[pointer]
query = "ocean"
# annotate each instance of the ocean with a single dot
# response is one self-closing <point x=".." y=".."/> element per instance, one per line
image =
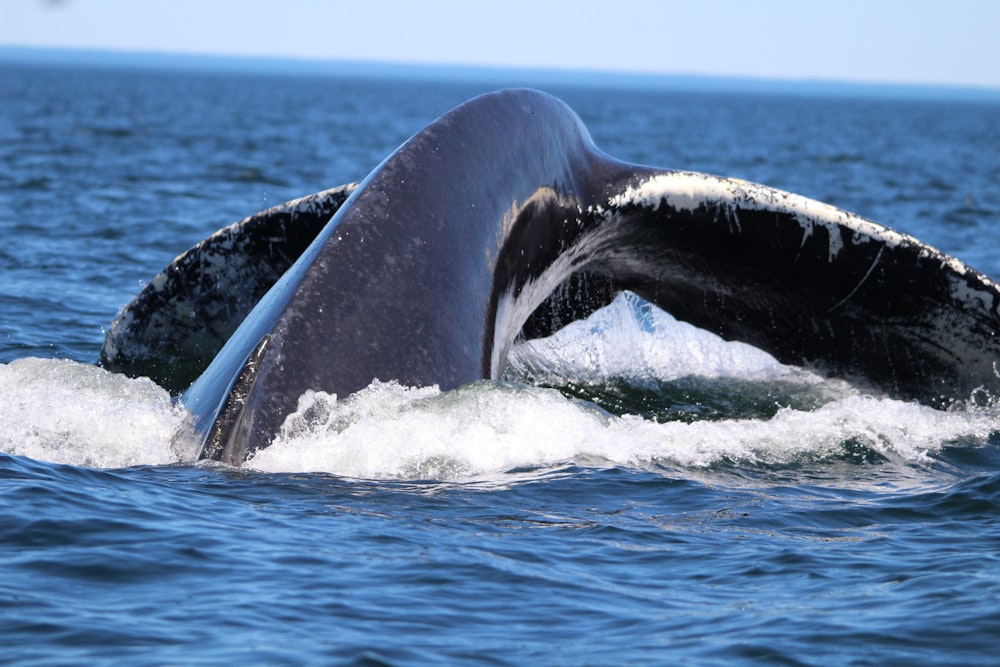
<point x="682" y="500"/>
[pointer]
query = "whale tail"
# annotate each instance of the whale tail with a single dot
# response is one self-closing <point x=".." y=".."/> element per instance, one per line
<point x="501" y="219"/>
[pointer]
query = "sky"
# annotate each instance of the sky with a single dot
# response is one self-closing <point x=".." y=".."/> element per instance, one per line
<point x="937" y="42"/>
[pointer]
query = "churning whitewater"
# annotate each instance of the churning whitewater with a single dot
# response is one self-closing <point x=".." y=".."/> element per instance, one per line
<point x="73" y="413"/>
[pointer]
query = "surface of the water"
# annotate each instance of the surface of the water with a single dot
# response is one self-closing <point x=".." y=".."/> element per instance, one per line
<point x="715" y="508"/>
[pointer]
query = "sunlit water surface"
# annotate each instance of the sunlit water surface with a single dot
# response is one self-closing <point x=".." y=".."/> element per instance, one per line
<point x="635" y="491"/>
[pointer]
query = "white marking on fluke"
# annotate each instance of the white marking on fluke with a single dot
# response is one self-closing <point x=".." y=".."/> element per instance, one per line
<point x="688" y="191"/>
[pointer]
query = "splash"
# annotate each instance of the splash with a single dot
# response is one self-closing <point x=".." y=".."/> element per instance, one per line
<point x="64" y="411"/>
<point x="489" y="428"/>
<point x="631" y="338"/>
<point x="772" y="413"/>
<point x="690" y="401"/>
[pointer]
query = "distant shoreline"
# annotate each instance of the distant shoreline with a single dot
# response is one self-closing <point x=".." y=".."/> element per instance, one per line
<point x="500" y="76"/>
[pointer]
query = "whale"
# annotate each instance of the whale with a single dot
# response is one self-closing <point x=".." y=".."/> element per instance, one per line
<point x="502" y="221"/>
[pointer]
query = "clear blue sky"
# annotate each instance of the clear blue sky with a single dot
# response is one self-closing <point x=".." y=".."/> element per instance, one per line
<point x="954" y="42"/>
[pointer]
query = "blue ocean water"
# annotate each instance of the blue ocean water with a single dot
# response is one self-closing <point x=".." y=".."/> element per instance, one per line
<point x="720" y="508"/>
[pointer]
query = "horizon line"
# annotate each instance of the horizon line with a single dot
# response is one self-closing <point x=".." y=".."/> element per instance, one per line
<point x="160" y="59"/>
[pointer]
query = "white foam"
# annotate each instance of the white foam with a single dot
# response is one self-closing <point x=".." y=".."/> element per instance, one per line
<point x="489" y="428"/>
<point x="633" y="339"/>
<point x="69" y="412"/>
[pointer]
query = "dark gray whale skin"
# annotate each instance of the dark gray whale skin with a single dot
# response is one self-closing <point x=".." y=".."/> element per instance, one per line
<point x="502" y="219"/>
